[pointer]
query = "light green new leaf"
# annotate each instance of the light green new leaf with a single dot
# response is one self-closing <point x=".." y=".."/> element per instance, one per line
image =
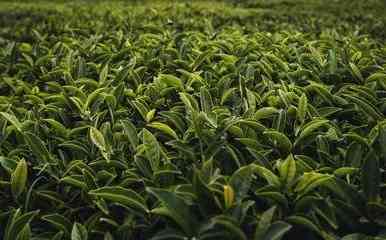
<point x="19" y="178"/>
<point x="343" y="171"/>
<point x="356" y="72"/>
<point x="79" y="232"/>
<point x="103" y="74"/>
<point x="311" y="180"/>
<point x="205" y="100"/>
<point x="287" y="170"/>
<point x="264" y="223"/>
<point x="265" y="112"/>
<point x="152" y="148"/>
<point x="171" y="81"/>
<point x="131" y="133"/>
<point x="163" y="128"/>
<point x="241" y="182"/>
<point x="150" y="115"/>
<point x="16" y="224"/>
<point x="99" y="141"/>
<point x="302" y="108"/>
<point x="229" y="226"/>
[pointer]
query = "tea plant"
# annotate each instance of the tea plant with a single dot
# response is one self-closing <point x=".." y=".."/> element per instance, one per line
<point x="124" y="121"/>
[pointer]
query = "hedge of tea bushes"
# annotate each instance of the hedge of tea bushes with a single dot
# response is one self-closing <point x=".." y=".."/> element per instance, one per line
<point x="190" y="121"/>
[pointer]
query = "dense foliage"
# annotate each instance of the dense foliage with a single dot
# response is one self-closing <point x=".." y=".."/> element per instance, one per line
<point x="225" y="120"/>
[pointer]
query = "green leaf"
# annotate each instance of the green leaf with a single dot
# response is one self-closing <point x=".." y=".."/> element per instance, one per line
<point x="356" y="72"/>
<point x="366" y="107"/>
<point x="206" y="100"/>
<point x="265" y="112"/>
<point x="150" y="115"/>
<point x="152" y="149"/>
<point x="267" y="175"/>
<point x="276" y="231"/>
<point x="171" y="81"/>
<point x="189" y="102"/>
<point x="103" y="74"/>
<point x="57" y="126"/>
<point x="302" y="108"/>
<point x="38" y="147"/>
<point x="131" y="133"/>
<point x="205" y="198"/>
<point x="74" y="182"/>
<point x="13" y="120"/>
<point x="371" y="177"/>
<point x="241" y="181"/>
<point x="121" y="195"/>
<point x="343" y="171"/>
<point x="79" y="232"/>
<point x="99" y="141"/>
<point x="311" y="180"/>
<point x="276" y="197"/>
<point x="287" y="170"/>
<point x="279" y="139"/>
<point x="141" y="108"/>
<point x="19" y="178"/>
<point x="332" y="61"/>
<point x="176" y="208"/>
<point x="60" y="222"/>
<point x="17" y="223"/>
<point x="227" y="94"/>
<point x="8" y="164"/>
<point x="163" y="128"/>
<point x="356" y="236"/>
<point x="25" y="233"/>
<point x="310" y="128"/>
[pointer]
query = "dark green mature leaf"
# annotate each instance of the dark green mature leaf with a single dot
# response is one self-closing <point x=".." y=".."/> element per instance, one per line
<point x="121" y="195"/>
<point x="175" y="208"/>
<point x="280" y="140"/>
<point x="17" y="222"/>
<point x="371" y="177"/>
<point x="241" y="181"/>
<point x="60" y="222"/>
<point x="229" y="226"/>
<point x="38" y="147"/>
<point x="277" y="230"/>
